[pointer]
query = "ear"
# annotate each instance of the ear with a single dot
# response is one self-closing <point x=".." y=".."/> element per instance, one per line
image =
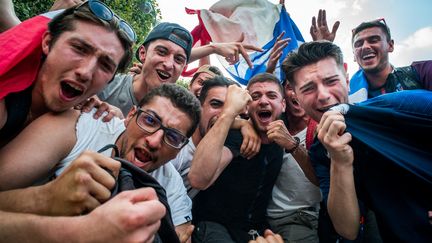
<point x="142" y="53"/>
<point x="46" y="42"/>
<point x="283" y="105"/>
<point x="130" y="115"/>
<point x="391" y="45"/>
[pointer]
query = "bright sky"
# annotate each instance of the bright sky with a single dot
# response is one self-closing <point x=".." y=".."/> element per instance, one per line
<point x="410" y="22"/>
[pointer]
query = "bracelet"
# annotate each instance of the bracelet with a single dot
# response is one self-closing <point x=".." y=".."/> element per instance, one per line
<point x="297" y="140"/>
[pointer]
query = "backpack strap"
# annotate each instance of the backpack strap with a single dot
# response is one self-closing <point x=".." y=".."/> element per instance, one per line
<point x="310" y="132"/>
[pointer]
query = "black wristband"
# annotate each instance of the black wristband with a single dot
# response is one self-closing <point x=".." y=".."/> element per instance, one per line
<point x="295" y="146"/>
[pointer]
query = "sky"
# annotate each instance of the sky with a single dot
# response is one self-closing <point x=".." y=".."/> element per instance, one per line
<point x="410" y="22"/>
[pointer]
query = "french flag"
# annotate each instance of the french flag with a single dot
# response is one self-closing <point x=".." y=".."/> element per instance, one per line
<point x="258" y="21"/>
<point x="21" y="53"/>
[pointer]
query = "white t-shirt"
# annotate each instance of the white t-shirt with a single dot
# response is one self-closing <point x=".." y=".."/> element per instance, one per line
<point x="182" y="163"/>
<point x="94" y="134"/>
<point x="292" y="189"/>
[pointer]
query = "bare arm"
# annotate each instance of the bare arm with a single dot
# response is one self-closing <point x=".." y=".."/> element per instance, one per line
<point x="132" y="216"/>
<point x="208" y="164"/>
<point x="342" y="201"/>
<point x="231" y="51"/>
<point x="278" y="133"/>
<point x="37" y="149"/>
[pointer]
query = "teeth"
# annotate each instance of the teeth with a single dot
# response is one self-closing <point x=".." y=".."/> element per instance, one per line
<point x="75" y="87"/>
<point x="368" y="56"/>
<point x="163" y="74"/>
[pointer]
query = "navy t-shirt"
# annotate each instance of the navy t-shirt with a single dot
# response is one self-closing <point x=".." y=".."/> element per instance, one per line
<point x="399" y="199"/>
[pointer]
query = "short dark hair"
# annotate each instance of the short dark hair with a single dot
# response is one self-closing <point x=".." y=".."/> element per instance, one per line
<point x="265" y="78"/>
<point x="380" y="23"/>
<point x="310" y="53"/>
<point x="216" y="81"/>
<point x="181" y="99"/>
<point x="65" y="22"/>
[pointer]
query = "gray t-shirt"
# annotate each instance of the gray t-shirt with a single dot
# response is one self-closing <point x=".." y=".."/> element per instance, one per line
<point x="119" y="93"/>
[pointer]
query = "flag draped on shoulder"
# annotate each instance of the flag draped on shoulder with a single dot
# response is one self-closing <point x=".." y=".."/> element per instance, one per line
<point x="398" y="126"/>
<point x="259" y="22"/>
<point x="21" y="53"/>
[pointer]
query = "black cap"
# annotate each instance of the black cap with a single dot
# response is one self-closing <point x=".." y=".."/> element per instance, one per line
<point x="172" y="32"/>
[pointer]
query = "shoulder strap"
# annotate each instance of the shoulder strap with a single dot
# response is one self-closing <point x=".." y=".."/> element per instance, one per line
<point x="310" y="132"/>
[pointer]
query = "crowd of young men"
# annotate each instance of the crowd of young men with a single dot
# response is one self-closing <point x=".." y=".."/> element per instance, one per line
<point x="244" y="176"/>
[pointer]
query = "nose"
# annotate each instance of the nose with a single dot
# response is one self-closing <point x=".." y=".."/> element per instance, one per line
<point x="323" y="94"/>
<point x="154" y="141"/>
<point x="86" y="68"/>
<point x="168" y="62"/>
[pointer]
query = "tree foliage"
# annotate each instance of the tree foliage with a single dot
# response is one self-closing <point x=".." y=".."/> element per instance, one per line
<point x="133" y="11"/>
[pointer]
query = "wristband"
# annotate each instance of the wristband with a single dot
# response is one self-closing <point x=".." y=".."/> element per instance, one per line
<point x="297" y="140"/>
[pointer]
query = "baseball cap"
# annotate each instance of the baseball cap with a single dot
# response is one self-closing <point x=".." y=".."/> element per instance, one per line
<point x="172" y="32"/>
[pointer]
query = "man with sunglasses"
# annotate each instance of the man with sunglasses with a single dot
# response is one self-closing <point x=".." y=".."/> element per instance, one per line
<point x="372" y="43"/>
<point x="62" y="66"/>
<point x="150" y="136"/>
<point x="164" y="54"/>
<point x="350" y="173"/>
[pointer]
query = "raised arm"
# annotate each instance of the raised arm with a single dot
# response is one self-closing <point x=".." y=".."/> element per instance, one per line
<point x="231" y="51"/>
<point x="278" y="133"/>
<point x="342" y="201"/>
<point x="211" y="156"/>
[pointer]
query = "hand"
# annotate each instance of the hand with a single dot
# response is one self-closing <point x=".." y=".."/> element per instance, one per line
<point x="84" y="185"/>
<point x="331" y="133"/>
<point x="184" y="232"/>
<point x="236" y="100"/>
<point x="63" y="4"/>
<point x="251" y="141"/>
<point x="131" y="216"/>
<point x="278" y="133"/>
<point x="276" y="52"/>
<point x="232" y="51"/>
<point x="269" y="237"/>
<point x="104" y="109"/>
<point x="321" y="32"/>
<point x="136" y="68"/>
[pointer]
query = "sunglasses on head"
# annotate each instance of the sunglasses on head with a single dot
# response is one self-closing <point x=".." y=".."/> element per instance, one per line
<point x="102" y="11"/>
<point x="378" y="20"/>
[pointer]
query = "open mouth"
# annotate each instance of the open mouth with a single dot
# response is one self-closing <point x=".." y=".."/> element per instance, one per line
<point x="163" y="75"/>
<point x="264" y="116"/>
<point x="142" y="157"/>
<point x="70" y="91"/>
<point x="368" y="56"/>
<point x="326" y="108"/>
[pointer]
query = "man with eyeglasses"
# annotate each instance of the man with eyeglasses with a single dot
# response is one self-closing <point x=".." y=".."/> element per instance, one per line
<point x="60" y="66"/>
<point x="150" y="136"/>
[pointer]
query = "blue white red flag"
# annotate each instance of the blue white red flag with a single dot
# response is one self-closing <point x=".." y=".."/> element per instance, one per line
<point x="260" y="23"/>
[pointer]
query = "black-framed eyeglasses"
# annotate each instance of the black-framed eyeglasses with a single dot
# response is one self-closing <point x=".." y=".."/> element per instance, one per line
<point x="102" y="11"/>
<point x="151" y="124"/>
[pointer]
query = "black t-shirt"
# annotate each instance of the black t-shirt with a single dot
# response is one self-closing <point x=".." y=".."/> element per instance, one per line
<point x="239" y="197"/>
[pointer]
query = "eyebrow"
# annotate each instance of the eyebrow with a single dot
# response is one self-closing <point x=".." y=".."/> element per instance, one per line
<point x="331" y="77"/>
<point x="86" y="45"/>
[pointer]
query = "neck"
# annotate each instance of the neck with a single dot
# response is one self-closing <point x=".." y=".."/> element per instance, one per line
<point x="196" y="137"/>
<point x="139" y="86"/>
<point x="38" y="106"/>
<point x="378" y="79"/>
<point x="296" y="124"/>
